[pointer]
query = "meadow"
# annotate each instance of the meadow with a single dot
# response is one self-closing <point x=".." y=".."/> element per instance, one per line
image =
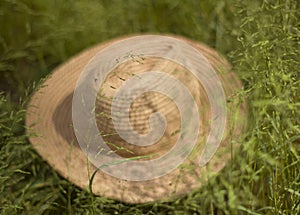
<point x="260" y="38"/>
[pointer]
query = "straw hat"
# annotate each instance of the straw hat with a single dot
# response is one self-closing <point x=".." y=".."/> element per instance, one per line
<point x="58" y="141"/>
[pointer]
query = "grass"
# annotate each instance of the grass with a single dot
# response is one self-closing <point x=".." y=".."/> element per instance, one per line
<point x="262" y="41"/>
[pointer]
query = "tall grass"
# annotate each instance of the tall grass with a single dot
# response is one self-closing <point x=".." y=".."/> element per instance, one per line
<point x="262" y="41"/>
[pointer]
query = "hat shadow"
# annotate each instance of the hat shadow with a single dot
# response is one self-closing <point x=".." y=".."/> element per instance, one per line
<point x="62" y="120"/>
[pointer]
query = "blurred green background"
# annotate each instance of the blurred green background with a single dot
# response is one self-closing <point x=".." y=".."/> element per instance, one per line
<point x="37" y="35"/>
<point x="261" y="39"/>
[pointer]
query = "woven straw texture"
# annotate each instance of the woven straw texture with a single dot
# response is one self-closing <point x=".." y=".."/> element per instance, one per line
<point x="49" y="116"/>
